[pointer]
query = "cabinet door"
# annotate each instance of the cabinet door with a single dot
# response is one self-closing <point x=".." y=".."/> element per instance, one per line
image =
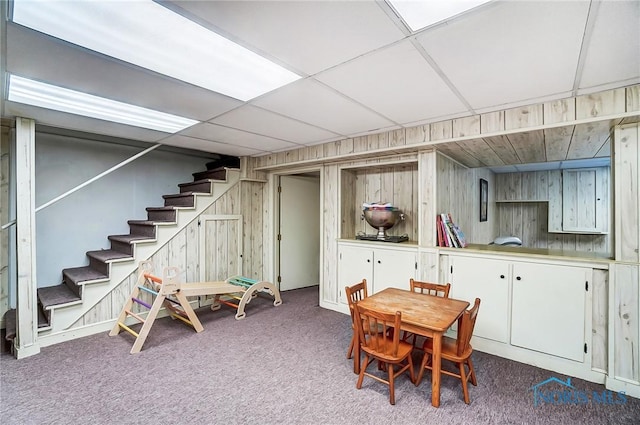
<point x="355" y="264"/>
<point x="393" y="269"/>
<point x="488" y="280"/>
<point x="548" y="309"/>
<point x="585" y="200"/>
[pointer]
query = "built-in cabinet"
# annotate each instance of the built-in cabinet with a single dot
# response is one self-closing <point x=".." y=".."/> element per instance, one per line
<point x="536" y="306"/>
<point x="384" y="265"/>
<point x="488" y="280"/>
<point x="584" y="202"/>
<point x="548" y="309"/>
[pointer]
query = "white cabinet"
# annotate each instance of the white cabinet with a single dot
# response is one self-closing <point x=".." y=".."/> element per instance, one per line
<point x="548" y="309"/>
<point x="382" y="266"/>
<point x="536" y="306"/>
<point x="487" y="279"/>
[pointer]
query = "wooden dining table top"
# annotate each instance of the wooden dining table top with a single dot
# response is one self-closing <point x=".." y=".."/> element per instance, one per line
<point x="419" y="311"/>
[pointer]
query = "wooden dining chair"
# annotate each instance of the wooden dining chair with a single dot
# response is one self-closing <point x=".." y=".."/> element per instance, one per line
<point x="457" y="350"/>
<point x="354" y="294"/>
<point x="384" y="347"/>
<point x="426" y="288"/>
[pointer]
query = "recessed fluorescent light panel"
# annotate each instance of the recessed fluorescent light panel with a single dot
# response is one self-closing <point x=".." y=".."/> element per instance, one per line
<point x="422" y="13"/>
<point x="30" y="92"/>
<point x="151" y="36"/>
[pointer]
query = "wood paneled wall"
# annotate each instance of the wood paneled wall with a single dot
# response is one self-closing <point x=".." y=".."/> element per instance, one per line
<point x="4" y="218"/>
<point x="245" y="198"/>
<point x="529" y="220"/>
<point x="627" y="193"/>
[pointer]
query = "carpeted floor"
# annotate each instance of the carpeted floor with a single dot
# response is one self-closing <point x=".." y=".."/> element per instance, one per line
<point x="280" y="365"/>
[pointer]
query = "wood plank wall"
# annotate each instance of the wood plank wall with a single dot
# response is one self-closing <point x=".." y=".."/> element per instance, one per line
<point x="4" y="218"/>
<point x="245" y="198"/>
<point x="530" y="220"/>
<point x="625" y="294"/>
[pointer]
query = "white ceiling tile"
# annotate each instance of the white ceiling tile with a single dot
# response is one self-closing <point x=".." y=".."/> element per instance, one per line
<point x="510" y="51"/>
<point x="310" y="36"/>
<point x="397" y="82"/>
<point x="218" y="133"/>
<point x="209" y="146"/>
<point x="267" y="123"/>
<point x="316" y="104"/>
<point x="614" y="49"/>
<point x="35" y="56"/>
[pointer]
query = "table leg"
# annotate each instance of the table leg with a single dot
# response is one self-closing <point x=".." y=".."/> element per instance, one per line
<point x="435" y="372"/>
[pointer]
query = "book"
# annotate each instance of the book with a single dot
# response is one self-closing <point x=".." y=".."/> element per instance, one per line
<point x="449" y="233"/>
<point x="439" y="231"/>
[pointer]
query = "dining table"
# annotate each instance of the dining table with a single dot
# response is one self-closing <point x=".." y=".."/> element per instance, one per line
<point x="422" y="314"/>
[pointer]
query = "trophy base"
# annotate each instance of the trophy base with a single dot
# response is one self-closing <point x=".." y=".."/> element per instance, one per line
<point x="393" y="239"/>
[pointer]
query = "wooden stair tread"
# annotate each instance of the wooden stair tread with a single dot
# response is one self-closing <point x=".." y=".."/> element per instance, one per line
<point x="129" y="238"/>
<point x="178" y="195"/>
<point x="55" y="295"/>
<point x="106" y="255"/>
<point x="83" y="274"/>
<point x="167" y="208"/>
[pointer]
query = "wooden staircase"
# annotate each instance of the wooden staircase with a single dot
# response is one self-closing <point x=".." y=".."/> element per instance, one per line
<point x="83" y="287"/>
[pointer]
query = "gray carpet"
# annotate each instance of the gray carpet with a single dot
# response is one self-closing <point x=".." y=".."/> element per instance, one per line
<point x="280" y="365"/>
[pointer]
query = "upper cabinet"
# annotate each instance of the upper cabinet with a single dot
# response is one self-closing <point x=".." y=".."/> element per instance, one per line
<point x="583" y="204"/>
<point x="585" y="200"/>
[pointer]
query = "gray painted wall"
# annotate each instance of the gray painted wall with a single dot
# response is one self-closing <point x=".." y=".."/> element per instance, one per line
<point x="81" y="222"/>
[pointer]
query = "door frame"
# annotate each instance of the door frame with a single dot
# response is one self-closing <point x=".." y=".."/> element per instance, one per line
<point x="274" y="211"/>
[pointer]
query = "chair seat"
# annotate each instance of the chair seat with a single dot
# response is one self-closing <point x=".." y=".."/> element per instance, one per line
<point x="449" y="349"/>
<point x="404" y="349"/>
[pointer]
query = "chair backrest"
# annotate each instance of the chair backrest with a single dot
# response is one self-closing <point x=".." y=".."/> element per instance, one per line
<point x="379" y="332"/>
<point x="429" y="288"/>
<point x="466" y="323"/>
<point x="356" y="292"/>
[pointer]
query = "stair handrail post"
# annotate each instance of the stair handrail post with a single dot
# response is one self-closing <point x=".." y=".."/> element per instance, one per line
<point x="99" y="176"/>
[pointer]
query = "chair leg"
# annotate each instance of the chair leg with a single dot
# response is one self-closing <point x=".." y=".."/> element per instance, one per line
<point x="363" y="367"/>
<point x="351" y="346"/>
<point x="392" y="394"/>
<point x="472" y="373"/>
<point x="412" y="374"/>
<point x="464" y="378"/>
<point x="423" y="365"/>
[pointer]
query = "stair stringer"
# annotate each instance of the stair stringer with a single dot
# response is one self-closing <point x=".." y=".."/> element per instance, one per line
<point x="65" y="316"/>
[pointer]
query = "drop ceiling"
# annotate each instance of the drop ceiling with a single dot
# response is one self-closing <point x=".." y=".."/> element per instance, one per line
<point x="363" y="71"/>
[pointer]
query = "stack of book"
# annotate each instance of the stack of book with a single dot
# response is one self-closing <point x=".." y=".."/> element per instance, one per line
<point x="449" y="234"/>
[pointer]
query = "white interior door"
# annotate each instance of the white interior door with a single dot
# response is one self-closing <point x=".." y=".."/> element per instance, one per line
<point x="299" y="245"/>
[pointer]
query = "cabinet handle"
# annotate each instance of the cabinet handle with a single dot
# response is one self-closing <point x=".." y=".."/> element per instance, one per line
<point x="379" y="262"/>
<point x="501" y="276"/>
<point x="368" y="261"/>
<point x="518" y="278"/>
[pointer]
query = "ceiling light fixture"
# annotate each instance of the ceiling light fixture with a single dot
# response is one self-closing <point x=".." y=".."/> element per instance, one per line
<point x="30" y="92"/>
<point x="418" y="14"/>
<point x="151" y="36"/>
